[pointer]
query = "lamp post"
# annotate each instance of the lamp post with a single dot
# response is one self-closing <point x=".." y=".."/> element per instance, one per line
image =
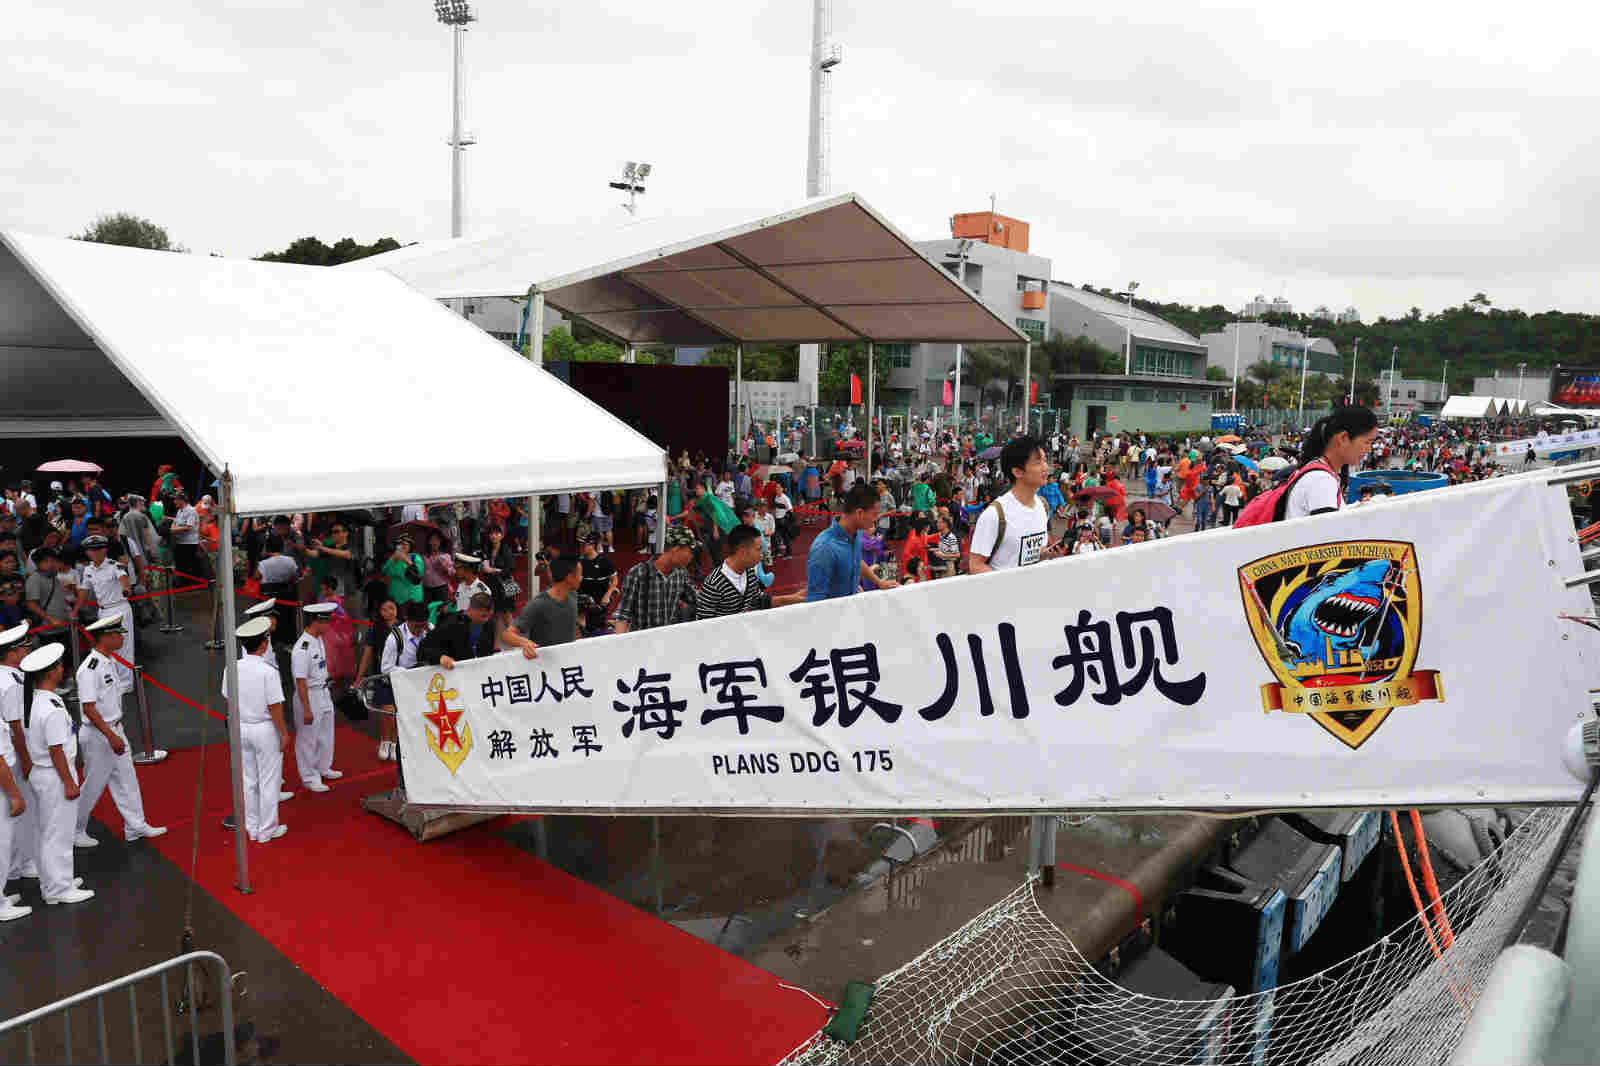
<point x="632" y="183"/>
<point x="1234" y="403"/>
<point x="1520" y="368"/>
<point x="963" y="250"/>
<point x="1127" y="362"/>
<point x="456" y="14"/>
<point x="1444" y="383"/>
<point x="1351" y="398"/>
<point x="1305" y="363"/>
<point x="1388" y="403"/>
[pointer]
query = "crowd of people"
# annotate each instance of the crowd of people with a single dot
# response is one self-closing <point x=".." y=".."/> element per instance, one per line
<point x="348" y="596"/>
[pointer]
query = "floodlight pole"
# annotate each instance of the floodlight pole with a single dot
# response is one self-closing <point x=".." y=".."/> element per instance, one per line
<point x="1305" y="363"/>
<point x="230" y="673"/>
<point x="455" y="14"/>
<point x="1127" y="362"/>
<point x="1350" y="399"/>
<point x="1388" y="403"/>
<point x="1234" y="403"/>
<point x="1027" y="386"/>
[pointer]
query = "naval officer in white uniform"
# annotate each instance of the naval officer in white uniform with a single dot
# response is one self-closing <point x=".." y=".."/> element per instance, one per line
<point x="14" y="804"/>
<point x="53" y="748"/>
<point x="107" y="584"/>
<point x="14" y="647"/>
<point x="262" y="732"/>
<point x="313" y="706"/>
<point x="107" y="755"/>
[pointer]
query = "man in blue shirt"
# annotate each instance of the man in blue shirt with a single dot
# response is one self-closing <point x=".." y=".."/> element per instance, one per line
<point x="833" y="565"/>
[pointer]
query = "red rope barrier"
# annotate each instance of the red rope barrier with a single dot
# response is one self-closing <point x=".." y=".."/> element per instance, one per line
<point x="174" y="693"/>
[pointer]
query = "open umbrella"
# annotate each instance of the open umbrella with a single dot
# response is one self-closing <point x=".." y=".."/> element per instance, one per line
<point x="1274" y="463"/>
<point x="990" y="453"/>
<point x="419" y="534"/>
<point x="1098" y="492"/>
<point x="788" y="457"/>
<point x="1246" y="462"/>
<point x="69" y="466"/>
<point x="1229" y="438"/>
<point x="1154" y="510"/>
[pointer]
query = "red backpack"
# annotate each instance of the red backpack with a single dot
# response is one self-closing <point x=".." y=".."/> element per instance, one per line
<point x="1270" y="505"/>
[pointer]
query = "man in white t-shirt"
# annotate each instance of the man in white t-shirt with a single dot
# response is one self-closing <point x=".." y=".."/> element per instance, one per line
<point x="1023" y="538"/>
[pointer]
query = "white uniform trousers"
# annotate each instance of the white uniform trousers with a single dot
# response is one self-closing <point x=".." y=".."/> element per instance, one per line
<point x="10" y="827"/>
<point x="24" y="830"/>
<point x="102" y="766"/>
<point x="124" y="675"/>
<point x="58" y="817"/>
<point x="313" y="744"/>
<point x="263" y="778"/>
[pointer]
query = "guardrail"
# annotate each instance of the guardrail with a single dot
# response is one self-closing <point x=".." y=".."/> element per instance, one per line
<point x="131" y="1046"/>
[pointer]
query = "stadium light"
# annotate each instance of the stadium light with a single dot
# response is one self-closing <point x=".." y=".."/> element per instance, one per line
<point x="632" y="183"/>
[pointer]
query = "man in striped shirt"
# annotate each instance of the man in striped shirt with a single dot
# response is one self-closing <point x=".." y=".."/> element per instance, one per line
<point x="732" y="588"/>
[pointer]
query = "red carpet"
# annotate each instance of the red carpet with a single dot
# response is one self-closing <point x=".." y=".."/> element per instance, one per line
<point x="467" y="949"/>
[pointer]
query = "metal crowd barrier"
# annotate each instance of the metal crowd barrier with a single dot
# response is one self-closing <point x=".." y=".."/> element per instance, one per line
<point x="131" y="1048"/>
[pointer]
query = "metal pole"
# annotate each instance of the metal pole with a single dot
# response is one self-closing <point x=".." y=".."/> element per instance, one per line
<point x="1388" y="403"/>
<point x="738" y="391"/>
<point x="871" y="400"/>
<point x="230" y="653"/>
<point x="1444" y="383"/>
<point x="955" y="420"/>
<point x="1127" y="362"/>
<point x="655" y="859"/>
<point x="458" y="32"/>
<point x="151" y="753"/>
<point x="661" y="520"/>
<point x="1354" y="355"/>
<point x="1234" y="404"/>
<point x="814" y="146"/>
<point x="537" y="353"/>
<point x="1027" y="386"/>
<point x="1305" y="364"/>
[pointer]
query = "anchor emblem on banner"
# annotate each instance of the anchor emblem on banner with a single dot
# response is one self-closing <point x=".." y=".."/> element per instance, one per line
<point x="449" y="735"/>
<point x="1340" y="627"/>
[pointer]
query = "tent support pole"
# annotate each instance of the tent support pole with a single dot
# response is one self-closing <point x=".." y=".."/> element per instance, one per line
<point x="1027" y="386"/>
<point x="738" y="395"/>
<point x="534" y="509"/>
<point x="661" y="520"/>
<point x="230" y="666"/>
<point x="872" y="397"/>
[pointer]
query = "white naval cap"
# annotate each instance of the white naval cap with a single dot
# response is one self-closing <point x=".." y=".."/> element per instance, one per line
<point x="259" y="609"/>
<point x="43" y="658"/>
<point x="13" y="636"/>
<point x="318" y="610"/>
<point x="468" y="560"/>
<point x="111" y="623"/>
<point x="255" y="627"/>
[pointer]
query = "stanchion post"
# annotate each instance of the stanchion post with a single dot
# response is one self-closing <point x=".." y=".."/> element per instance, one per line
<point x="72" y="644"/>
<point x="151" y="753"/>
<point x="171" y="624"/>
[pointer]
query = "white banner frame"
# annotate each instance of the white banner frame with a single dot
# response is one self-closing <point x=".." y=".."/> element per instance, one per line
<point x="1487" y="682"/>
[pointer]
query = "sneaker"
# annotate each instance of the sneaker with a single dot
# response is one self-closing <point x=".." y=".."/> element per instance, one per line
<point x="317" y="786"/>
<point x="332" y="775"/>
<point x="278" y="832"/>
<point x="72" y="895"/>
<point x="147" y="832"/>
<point x="285" y="796"/>
<point x="84" y="840"/>
<point x="11" y="912"/>
<point x="14" y="899"/>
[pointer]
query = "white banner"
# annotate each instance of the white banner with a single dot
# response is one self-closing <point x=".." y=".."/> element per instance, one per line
<point x="1403" y="655"/>
<point x="1546" y="443"/>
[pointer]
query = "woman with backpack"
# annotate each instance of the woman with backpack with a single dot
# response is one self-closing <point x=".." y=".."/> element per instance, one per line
<point x="1334" y="444"/>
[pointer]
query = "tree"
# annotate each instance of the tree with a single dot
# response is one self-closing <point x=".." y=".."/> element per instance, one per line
<point x="129" y="231"/>
<point x="771" y="363"/>
<point x="842" y="360"/>
<point x="1216" y="373"/>
<point x="310" y="251"/>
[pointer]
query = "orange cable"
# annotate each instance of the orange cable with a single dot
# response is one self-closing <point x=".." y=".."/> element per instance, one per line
<point x="1437" y="902"/>
<point x="1416" y="898"/>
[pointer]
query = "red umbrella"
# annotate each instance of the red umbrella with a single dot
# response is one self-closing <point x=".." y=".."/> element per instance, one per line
<point x="1154" y="510"/>
<point x="419" y="535"/>
<point x="1098" y="492"/>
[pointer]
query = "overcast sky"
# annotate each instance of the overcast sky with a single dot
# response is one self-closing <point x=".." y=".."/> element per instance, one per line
<point x="1381" y="155"/>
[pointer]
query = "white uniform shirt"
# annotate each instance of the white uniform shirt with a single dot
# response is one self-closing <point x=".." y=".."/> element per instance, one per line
<point x="465" y="592"/>
<point x="10" y="710"/>
<point x="105" y="582"/>
<point x="309" y="662"/>
<point x="50" y="725"/>
<point x="401" y="654"/>
<point x="259" y="688"/>
<point x="98" y="684"/>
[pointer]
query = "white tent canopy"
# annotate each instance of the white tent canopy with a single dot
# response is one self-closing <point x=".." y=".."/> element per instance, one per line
<point x="1462" y="406"/>
<point x="829" y="270"/>
<point x="247" y="362"/>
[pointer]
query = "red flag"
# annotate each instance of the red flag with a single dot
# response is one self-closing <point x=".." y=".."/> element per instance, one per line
<point x="1033" y="392"/>
<point x="855" y="389"/>
<point x="949" y="394"/>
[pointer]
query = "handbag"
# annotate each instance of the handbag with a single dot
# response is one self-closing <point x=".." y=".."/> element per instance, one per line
<point x="510" y="589"/>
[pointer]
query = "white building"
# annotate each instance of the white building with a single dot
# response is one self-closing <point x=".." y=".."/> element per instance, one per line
<point x="1348" y="316"/>
<point x="1262" y="306"/>
<point x="1258" y="342"/>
